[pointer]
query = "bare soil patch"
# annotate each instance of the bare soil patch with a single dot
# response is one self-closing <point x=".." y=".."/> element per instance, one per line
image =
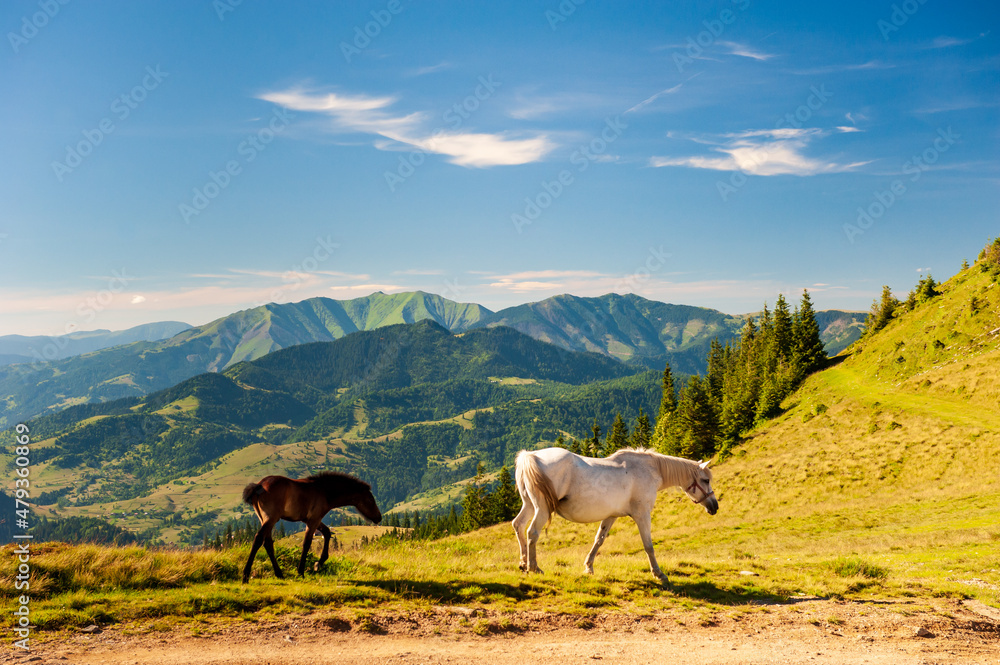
<point x="804" y="631"/>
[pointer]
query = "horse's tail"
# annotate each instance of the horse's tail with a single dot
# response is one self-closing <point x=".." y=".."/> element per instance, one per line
<point x="531" y="481"/>
<point x="250" y="492"/>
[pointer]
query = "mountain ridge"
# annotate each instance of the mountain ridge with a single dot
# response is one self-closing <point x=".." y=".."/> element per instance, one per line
<point x="628" y="328"/>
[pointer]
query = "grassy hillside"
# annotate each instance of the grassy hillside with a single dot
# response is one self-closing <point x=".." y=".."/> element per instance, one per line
<point x="880" y="480"/>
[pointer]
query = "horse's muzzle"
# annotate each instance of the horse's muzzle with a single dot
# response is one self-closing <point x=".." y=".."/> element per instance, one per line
<point x="712" y="505"/>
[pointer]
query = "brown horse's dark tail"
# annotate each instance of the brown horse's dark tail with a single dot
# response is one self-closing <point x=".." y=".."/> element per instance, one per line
<point x="251" y="492"/>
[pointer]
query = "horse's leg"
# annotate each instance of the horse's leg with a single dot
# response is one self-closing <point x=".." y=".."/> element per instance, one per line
<point x="325" y="530"/>
<point x="602" y="533"/>
<point x="258" y="540"/>
<point x="645" y="524"/>
<point x="540" y="519"/>
<point x="306" y="544"/>
<point x="262" y="538"/>
<point x="520" y="525"/>
<point x="269" y="547"/>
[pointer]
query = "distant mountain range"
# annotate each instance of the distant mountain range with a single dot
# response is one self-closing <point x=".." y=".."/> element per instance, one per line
<point x="43" y="348"/>
<point x="628" y="328"/>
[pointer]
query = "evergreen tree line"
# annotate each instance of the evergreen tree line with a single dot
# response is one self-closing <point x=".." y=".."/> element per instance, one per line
<point x="481" y="506"/>
<point x="746" y="381"/>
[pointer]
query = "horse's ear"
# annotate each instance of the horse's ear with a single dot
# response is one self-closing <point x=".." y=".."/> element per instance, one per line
<point x="705" y="464"/>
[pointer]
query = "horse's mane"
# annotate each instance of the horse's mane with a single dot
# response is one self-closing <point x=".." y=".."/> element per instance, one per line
<point x="669" y="467"/>
<point x="335" y="484"/>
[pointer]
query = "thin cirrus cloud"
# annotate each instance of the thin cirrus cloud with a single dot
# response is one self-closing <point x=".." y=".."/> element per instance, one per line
<point x="372" y="115"/>
<point x="762" y="152"/>
<point x="745" y="51"/>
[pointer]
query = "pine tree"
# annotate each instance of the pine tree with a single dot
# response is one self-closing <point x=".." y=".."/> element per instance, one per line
<point x="642" y="434"/>
<point x="926" y="289"/>
<point x="574" y="447"/>
<point x="809" y="350"/>
<point x="662" y="434"/>
<point x="782" y="329"/>
<point x="617" y="437"/>
<point x="696" y="413"/>
<point x="594" y="445"/>
<point x="475" y="502"/>
<point x="668" y="396"/>
<point x="504" y="501"/>
<point x="882" y="311"/>
<point x="716" y="369"/>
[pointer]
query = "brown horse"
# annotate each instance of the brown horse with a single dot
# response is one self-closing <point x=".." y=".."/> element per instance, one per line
<point x="308" y="500"/>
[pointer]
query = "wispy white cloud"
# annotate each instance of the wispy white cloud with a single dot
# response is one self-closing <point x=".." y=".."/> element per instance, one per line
<point x="745" y="51"/>
<point x="847" y="130"/>
<point x="431" y="69"/>
<point x="543" y="280"/>
<point x="944" y="41"/>
<point x="839" y="68"/>
<point x="957" y="104"/>
<point x="653" y="98"/>
<point x="529" y="104"/>
<point x="138" y="299"/>
<point x="762" y="152"/>
<point x="371" y="115"/>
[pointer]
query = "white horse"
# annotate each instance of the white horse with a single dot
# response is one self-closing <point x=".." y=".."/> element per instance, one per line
<point x="584" y="489"/>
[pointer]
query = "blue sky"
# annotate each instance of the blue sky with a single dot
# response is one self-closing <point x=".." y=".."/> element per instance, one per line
<point x="185" y="160"/>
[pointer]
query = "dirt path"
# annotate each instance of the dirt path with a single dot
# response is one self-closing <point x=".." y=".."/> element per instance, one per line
<point x="817" y="631"/>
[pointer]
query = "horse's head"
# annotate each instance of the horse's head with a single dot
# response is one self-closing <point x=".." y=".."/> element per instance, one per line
<point x="700" y="490"/>
<point x="366" y="505"/>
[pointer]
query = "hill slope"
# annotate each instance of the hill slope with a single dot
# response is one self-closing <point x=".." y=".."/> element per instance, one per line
<point x="633" y="329"/>
<point x="143" y="367"/>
